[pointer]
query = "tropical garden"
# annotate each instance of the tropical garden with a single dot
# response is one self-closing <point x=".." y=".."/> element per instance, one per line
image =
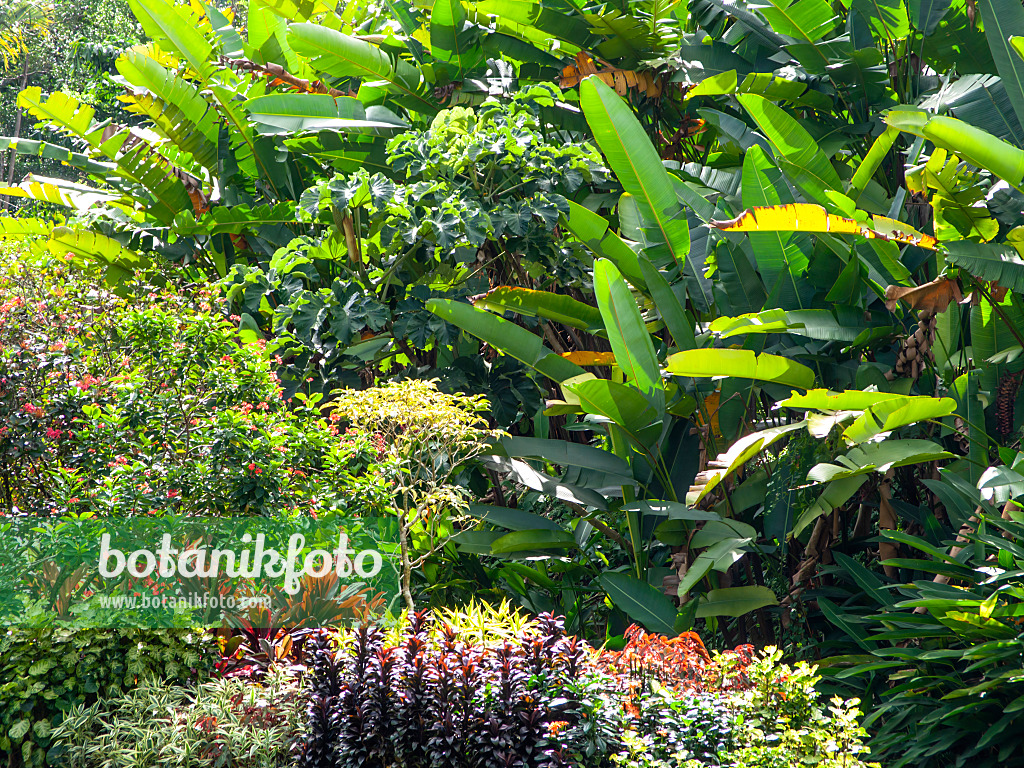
<point x="680" y="345"/>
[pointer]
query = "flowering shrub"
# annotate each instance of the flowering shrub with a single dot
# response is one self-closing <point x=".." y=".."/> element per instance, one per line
<point x="541" y="699"/>
<point x="127" y="407"/>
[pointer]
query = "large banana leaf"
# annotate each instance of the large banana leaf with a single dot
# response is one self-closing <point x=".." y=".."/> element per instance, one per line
<point x="171" y="122"/>
<point x="626" y="408"/>
<point x="565" y="454"/>
<point x="292" y="113"/>
<point x="738" y="454"/>
<point x="982" y="101"/>
<point x="142" y="71"/>
<point x="174" y="105"/>
<point x="978" y="147"/>
<point x="878" y="457"/>
<point x="91" y="247"/>
<point x="164" y="24"/>
<point x="23" y="227"/>
<point x="743" y="287"/>
<point x="801" y="20"/>
<point x="748" y="24"/>
<point x="1003" y="18"/>
<point x="636" y="164"/>
<point x="872" y="160"/>
<point x="708" y="60"/>
<point x="33" y="148"/>
<point x="541" y="23"/>
<point x="452" y="38"/>
<point x="849" y="400"/>
<point x="888" y="19"/>
<point x="959" y="43"/>
<point x="741" y="363"/>
<point x="551" y="306"/>
<point x="593" y="231"/>
<point x="770" y="86"/>
<point x="139" y="165"/>
<point x="988" y="261"/>
<point x="59" y="192"/>
<point x="835" y="494"/>
<point x="640" y="601"/>
<point x="735" y="601"/>
<point x="262" y="24"/>
<point x="171" y="26"/>
<point x="630" y="340"/>
<point x="669" y="306"/>
<point x="344" y="56"/>
<point x="807" y="217"/>
<point x="512" y="519"/>
<point x="795" y="151"/>
<point x="926" y="14"/>
<point x="812" y="323"/>
<point x="299" y="10"/>
<point x="67" y="115"/>
<point x="546" y="484"/>
<point x="893" y="414"/>
<point x="780" y="256"/>
<point x="234" y="219"/>
<point x="506" y="337"/>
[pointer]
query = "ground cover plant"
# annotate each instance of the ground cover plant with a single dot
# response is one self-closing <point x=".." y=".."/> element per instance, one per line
<point x="46" y="673"/>
<point x="222" y="722"/>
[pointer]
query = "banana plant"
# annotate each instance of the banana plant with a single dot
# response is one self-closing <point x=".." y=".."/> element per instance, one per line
<point x="644" y="414"/>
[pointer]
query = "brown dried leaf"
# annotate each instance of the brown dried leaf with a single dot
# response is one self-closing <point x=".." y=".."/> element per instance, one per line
<point x="997" y="291"/>
<point x="619" y="79"/>
<point x="933" y="297"/>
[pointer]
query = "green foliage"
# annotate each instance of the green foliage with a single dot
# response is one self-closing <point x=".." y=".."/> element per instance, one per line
<point x="955" y="689"/>
<point x="231" y="721"/>
<point x="355" y="174"/>
<point x="120" y="407"/>
<point x="46" y="674"/>
<point x="429" y="436"/>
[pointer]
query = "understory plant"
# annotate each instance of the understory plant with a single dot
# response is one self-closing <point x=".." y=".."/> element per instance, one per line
<point x="430" y="697"/>
<point x="936" y="647"/>
<point x="46" y="674"/>
<point x="429" y="437"/>
<point x="217" y="722"/>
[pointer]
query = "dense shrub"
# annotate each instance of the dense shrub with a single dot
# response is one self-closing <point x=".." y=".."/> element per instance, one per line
<point x="120" y="406"/>
<point x="541" y="698"/>
<point x="45" y="674"/>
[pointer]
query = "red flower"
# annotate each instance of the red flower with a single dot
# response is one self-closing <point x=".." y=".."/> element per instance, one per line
<point x="87" y="381"/>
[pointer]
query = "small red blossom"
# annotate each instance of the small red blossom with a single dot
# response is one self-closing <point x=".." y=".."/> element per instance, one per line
<point x="86" y="382"/>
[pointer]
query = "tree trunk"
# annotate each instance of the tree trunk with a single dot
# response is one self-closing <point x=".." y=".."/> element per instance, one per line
<point x="13" y="153"/>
